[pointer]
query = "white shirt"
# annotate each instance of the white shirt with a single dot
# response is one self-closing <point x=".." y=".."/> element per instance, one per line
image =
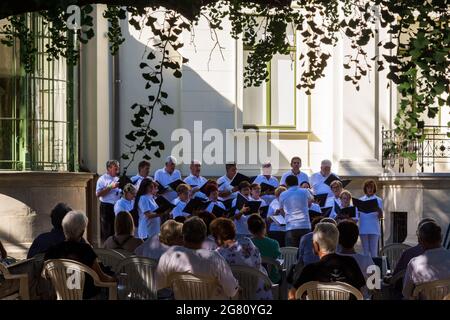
<point x="294" y="202"/>
<point x="202" y="263"/>
<point x="433" y="264"/>
<point x="211" y="205"/>
<point x="123" y="205"/>
<point x="178" y="210"/>
<point x="197" y="182"/>
<point x="274" y="206"/>
<point x="241" y="224"/>
<point x="147" y="227"/>
<point x="164" y="178"/>
<point x="273" y="181"/>
<point x="137" y="179"/>
<point x="301" y="176"/>
<point x="224" y="185"/>
<point x="369" y="222"/>
<point x="318" y="184"/>
<point x="152" y="248"/>
<point x="114" y="194"/>
<point x="315" y="207"/>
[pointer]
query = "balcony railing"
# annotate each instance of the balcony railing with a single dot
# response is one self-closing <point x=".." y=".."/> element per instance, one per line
<point x="433" y="150"/>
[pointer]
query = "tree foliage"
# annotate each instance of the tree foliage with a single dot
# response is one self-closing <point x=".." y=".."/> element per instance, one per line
<point x="416" y="53"/>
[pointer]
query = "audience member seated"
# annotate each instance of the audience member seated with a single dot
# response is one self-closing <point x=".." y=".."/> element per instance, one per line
<point x="432" y="265"/>
<point x="348" y="236"/>
<point x="331" y="267"/>
<point x="240" y="252"/>
<point x="200" y="262"/>
<point x="55" y="236"/>
<point x="155" y="246"/>
<point x="267" y="247"/>
<point x="305" y="253"/>
<point x="124" y="234"/>
<point x="74" y="225"/>
<point x="210" y="242"/>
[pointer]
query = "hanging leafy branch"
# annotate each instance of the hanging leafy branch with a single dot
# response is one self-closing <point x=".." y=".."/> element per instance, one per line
<point x="415" y="54"/>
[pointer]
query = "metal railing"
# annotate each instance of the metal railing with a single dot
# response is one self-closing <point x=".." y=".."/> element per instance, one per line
<point x="432" y="150"/>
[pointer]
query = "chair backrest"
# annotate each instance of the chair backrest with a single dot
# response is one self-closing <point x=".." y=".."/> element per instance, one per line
<point x="12" y="291"/>
<point x="68" y="279"/>
<point x="393" y="252"/>
<point x="447" y="297"/>
<point x="187" y="286"/>
<point x="139" y="282"/>
<point x="109" y="257"/>
<point x="434" y="290"/>
<point x="328" y="291"/>
<point x="289" y="255"/>
<point x="249" y="279"/>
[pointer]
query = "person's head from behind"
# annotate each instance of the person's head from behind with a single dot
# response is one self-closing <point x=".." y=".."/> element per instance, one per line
<point x="171" y="233"/>
<point x="336" y="188"/>
<point x="348" y="233"/>
<point x="279" y="191"/>
<point x="244" y="188"/>
<point x="113" y="168"/>
<point x="123" y="224"/>
<point x="325" y="167"/>
<point x="255" y="191"/>
<point x="194" y="233"/>
<point x="325" y="238"/>
<point x="223" y="230"/>
<point x="129" y="192"/>
<point x="170" y="164"/>
<point x="183" y="191"/>
<point x="195" y="168"/>
<point x="291" y="181"/>
<point x="180" y="219"/>
<point x="257" y="225"/>
<point x="144" y="168"/>
<point x="58" y="213"/>
<point x="296" y="164"/>
<point x="421" y="222"/>
<point x="74" y="224"/>
<point x="231" y="170"/>
<point x="207" y="218"/>
<point x="430" y="235"/>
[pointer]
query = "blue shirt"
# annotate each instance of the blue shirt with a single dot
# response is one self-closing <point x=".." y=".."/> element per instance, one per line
<point x="44" y="241"/>
<point x="294" y="202"/>
<point x="147" y="227"/>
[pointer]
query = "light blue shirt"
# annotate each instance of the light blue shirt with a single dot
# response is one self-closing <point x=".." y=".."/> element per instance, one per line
<point x="147" y="227"/>
<point x="123" y="205"/>
<point x="294" y="202"/>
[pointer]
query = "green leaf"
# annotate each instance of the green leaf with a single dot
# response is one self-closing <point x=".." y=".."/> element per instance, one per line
<point x="130" y="136"/>
<point x="177" y="74"/>
<point x="143" y="65"/>
<point x="166" y="109"/>
<point x="164" y="94"/>
<point x="151" y="56"/>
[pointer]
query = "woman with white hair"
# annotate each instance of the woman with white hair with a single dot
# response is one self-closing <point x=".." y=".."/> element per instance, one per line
<point x="331" y="267"/>
<point x="75" y="248"/>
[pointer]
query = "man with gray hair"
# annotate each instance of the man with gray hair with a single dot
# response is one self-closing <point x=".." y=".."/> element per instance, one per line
<point x="331" y="267"/>
<point x="318" y="179"/>
<point x="195" y="180"/>
<point x="108" y="192"/>
<point x="167" y="175"/>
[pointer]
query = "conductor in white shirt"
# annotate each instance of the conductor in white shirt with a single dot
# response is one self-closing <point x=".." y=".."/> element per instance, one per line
<point x="108" y="192"/>
<point x="195" y="180"/>
<point x="167" y="175"/>
<point x="296" y="164"/>
<point x="318" y="179"/>
<point x="294" y="204"/>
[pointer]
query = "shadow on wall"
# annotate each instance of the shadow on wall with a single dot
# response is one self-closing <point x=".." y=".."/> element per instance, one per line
<point x="200" y="95"/>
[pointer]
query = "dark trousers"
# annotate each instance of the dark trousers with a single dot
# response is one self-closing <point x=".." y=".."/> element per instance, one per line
<point x="279" y="236"/>
<point x="293" y="237"/>
<point x="107" y="218"/>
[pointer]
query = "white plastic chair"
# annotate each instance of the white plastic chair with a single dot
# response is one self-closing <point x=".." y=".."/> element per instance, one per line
<point x="57" y="271"/>
<point x="249" y="279"/>
<point x="327" y="291"/>
<point x="393" y="252"/>
<point x="186" y="286"/>
<point x="139" y="278"/>
<point x="109" y="257"/>
<point x="22" y="291"/>
<point x="434" y="290"/>
<point x="289" y="255"/>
